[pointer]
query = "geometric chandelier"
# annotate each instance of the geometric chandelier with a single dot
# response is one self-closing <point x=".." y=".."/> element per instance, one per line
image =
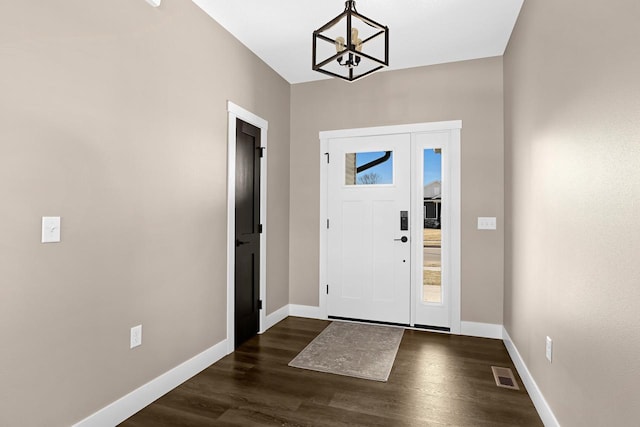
<point x="350" y="46"/>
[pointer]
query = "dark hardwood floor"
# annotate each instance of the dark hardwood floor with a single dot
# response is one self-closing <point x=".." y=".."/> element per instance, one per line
<point x="437" y="380"/>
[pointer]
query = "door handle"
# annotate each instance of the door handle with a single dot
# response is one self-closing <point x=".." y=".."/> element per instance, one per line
<point x="403" y="239"/>
<point x="240" y="243"/>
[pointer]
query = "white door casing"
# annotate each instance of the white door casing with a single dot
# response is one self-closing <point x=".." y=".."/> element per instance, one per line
<point x="451" y="167"/>
<point x="237" y="112"/>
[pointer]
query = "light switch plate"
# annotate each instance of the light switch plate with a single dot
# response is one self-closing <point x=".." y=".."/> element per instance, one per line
<point x="486" y="223"/>
<point x="50" y="229"/>
<point x="136" y="336"/>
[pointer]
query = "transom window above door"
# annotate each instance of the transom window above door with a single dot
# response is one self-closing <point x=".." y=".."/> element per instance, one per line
<point x="369" y="168"/>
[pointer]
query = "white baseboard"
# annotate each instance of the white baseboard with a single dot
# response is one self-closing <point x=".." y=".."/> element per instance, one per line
<point x="482" y="330"/>
<point x="307" y="311"/>
<point x="543" y="408"/>
<point x="133" y="402"/>
<point x="275" y="317"/>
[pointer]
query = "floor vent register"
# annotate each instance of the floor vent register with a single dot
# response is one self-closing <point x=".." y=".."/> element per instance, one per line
<point x="504" y="378"/>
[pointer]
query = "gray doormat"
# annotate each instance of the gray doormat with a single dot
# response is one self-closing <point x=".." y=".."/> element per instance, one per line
<point x="352" y="349"/>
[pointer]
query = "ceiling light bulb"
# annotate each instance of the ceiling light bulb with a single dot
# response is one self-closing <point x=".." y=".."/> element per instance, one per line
<point x="354" y="35"/>
<point x="359" y="45"/>
<point x="339" y="44"/>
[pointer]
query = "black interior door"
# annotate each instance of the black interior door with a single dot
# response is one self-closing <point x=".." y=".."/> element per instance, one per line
<point x="247" y="232"/>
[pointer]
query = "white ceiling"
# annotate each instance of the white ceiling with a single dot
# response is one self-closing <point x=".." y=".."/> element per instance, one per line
<point x="421" y="32"/>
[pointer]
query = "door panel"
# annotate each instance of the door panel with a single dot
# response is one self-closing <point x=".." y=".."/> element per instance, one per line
<point x="368" y="265"/>
<point x="384" y="259"/>
<point x="247" y="236"/>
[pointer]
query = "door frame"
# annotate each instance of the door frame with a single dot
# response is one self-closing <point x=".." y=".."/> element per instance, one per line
<point x="237" y="112"/>
<point x="453" y="127"/>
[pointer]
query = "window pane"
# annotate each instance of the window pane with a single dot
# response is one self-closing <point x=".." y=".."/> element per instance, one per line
<point x="369" y="168"/>
<point x="432" y="243"/>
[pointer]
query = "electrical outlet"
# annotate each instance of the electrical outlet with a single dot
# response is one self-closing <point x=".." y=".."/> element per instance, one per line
<point x="136" y="336"/>
<point x="549" y="349"/>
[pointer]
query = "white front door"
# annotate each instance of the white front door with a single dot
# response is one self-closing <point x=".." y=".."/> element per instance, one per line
<point x="368" y="241"/>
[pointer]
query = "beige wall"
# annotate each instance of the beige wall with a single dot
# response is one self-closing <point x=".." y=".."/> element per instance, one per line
<point x="470" y="91"/>
<point x="572" y="173"/>
<point x="113" y="116"/>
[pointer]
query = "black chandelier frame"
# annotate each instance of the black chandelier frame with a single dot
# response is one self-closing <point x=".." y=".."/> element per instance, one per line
<point x="350" y="47"/>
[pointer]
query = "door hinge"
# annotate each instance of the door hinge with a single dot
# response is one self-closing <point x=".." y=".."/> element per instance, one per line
<point x="261" y="149"/>
<point x="260" y="228"/>
<point x="327" y="289"/>
<point x="259" y="304"/>
<point x="327" y="154"/>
